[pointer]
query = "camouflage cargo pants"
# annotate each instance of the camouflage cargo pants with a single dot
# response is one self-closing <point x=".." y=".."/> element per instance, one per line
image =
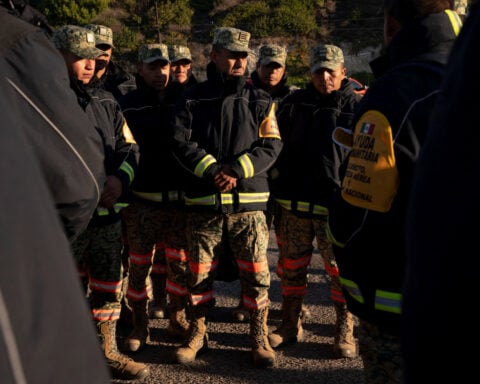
<point x="98" y="251"/>
<point x="156" y="237"/>
<point x="295" y="237"/>
<point x="242" y="235"/>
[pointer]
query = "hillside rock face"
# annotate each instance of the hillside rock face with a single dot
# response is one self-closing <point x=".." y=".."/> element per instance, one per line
<point x="355" y="26"/>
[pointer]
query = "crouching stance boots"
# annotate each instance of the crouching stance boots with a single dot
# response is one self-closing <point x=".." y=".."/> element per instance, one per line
<point x="345" y="344"/>
<point x="121" y="366"/>
<point x="197" y="341"/>
<point x="262" y="353"/>
<point x="178" y="326"/>
<point x="291" y="330"/>
<point x="139" y="336"/>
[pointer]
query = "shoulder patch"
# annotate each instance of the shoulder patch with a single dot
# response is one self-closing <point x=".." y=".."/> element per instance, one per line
<point x="269" y="126"/>
<point x="371" y="179"/>
<point x="127" y="133"/>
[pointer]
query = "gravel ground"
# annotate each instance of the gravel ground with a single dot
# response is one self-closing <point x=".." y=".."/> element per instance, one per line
<point x="228" y="360"/>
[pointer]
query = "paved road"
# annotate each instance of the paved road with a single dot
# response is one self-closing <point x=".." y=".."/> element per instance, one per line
<point x="228" y="360"/>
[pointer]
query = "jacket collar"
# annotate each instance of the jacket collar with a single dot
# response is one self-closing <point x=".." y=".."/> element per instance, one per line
<point x="223" y="84"/>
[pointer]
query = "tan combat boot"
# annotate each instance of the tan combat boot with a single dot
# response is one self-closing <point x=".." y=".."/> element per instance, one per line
<point x="139" y="336"/>
<point x="178" y="325"/>
<point x="345" y="344"/>
<point x="197" y="342"/>
<point x="262" y="353"/>
<point x="291" y="330"/>
<point x="158" y="304"/>
<point x="121" y="366"/>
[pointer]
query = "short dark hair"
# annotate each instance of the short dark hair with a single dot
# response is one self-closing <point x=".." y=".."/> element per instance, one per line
<point x="406" y="10"/>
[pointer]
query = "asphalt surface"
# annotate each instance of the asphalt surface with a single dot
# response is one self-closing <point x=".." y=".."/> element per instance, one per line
<point x="228" y="360"/>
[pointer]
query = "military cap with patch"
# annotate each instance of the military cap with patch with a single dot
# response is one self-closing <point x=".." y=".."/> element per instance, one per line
<point x="148" y="53"/>
<point x="271" y="53"/>
<point x="77" y="40"/>
<point x="326" y="56"/>
<point x="179" y="52"/>
<point x="103" y="34"/>
<point x="233" y="39"/>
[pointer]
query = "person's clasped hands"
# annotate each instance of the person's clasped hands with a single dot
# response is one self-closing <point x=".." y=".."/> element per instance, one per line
<point x="226" y="179"/>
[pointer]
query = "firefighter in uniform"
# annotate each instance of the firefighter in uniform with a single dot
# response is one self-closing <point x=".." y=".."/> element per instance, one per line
<point x="226" y="136"/>
<point x="306" y="120"/>
<point x="180" y="78"/>
<point x="155" y="220"/>
<point x="117" y="81"/>
<point x="270" y="75"/>
<point x="367" y="217"/>
<point x="98" y="249"/>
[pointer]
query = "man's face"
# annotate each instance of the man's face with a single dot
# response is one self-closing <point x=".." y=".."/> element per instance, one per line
<point x="78" y="68"/>
<point x="270" y="74"/>
<point x="231" y="63"/>
<point x="102" y="61"/>
<point x="180" y="70"/>
<point x="327" y="81"/>
<point x="155" y="74"/>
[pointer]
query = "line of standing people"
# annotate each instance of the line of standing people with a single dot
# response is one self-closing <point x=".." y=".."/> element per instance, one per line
<point x="227" y="183"/>
<point x="217" y="209"/>
<point x="164" y="219"/>
<point x="154" y="220"/>
<point x="222" y="210"/>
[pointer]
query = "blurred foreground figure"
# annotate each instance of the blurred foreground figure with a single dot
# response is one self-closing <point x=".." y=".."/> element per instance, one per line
<point x="48" y="192"/>
<point x="435" y="283"/>
<point x="367" y="219"/>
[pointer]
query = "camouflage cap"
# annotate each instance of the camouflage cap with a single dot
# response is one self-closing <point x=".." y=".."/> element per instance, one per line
<point x="233" y="39"/>
<point x="179" y="52"/>
<point x="78" y="40"/>
<point x="326" y="56"/>
<point x="269" y="53"/>
<point x="148" y="53"/>
<point x="103" y="34"/>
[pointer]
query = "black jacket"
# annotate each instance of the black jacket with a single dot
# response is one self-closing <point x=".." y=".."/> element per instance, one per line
<point x="121" y="150"/>
<point x="68" y="147"/>
<point x="52" y="163"/>
<point x="367" y="220"/>
<point x="442" y="273"/>
<point x="306" y="172"/>
<point x="219" y="122"/>
<point x="117" y="80"/>
<point x="159" y="178"/>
